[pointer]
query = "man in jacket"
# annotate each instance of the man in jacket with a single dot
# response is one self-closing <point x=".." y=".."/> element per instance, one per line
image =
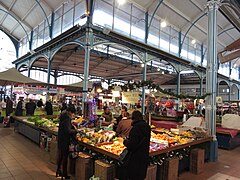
<point x="124" y="126"/>
<point x="138" y="144"/>
<point x="19" y="108"/>
<point x="30" y="108"/>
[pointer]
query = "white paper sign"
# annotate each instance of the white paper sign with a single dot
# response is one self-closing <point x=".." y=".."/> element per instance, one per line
<point x="219" y="100"/>
<point x="130" y="97"/>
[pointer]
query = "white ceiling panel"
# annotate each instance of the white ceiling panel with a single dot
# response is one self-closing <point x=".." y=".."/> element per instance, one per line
<point x="9" y="23"/>
<point x="22" y="6"/>
<point x="38" y="17"/>
<point x="7" y="2"/>
<point x="188" y="9"/>
<point x="171" y="17"/>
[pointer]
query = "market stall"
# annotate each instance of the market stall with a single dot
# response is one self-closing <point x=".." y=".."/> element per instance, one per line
<point x="228" y="132"/>
<point x="101" y="143"/>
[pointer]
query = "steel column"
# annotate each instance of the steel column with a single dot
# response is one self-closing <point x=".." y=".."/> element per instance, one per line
<point x="88" y="47"/>
<point x="29" y="71"/>
<point x="229" y="93"/>
<point x="49" y="71"/>
<point x="144" y="79"/>
<point x="31" y="41"/>
<point x="211" y="75"/>
<point x="55" y="76"/>
<point x="52" y="26"/>
<point x="146" y="27"/>
<point x="201" y="86"/>
<point x="238" y="92"/>
<point x="178" y="88"/>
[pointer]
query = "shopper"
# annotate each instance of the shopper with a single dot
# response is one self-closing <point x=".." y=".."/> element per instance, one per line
<point x="19" y="108"/>
<point x="107" y="115"/>
<point x="124" y="126"/>
<point x="30" y="108"/>
<point x="119" y="118"/>
<point x="9" y="106"/>
<point x="65" y="132"/>
<point x="40" y="103"/>
<point x="49" y="108"/>
<point x="64" y="106"/>
<point x="138" y="144"/>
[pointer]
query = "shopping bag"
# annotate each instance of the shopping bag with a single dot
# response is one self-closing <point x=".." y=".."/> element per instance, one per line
<point x="125" y="157"/>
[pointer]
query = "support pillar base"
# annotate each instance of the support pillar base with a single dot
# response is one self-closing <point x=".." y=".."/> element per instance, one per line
<point x="213" y="151"/>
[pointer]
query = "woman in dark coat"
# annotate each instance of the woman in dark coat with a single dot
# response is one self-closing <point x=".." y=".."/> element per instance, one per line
<point x="49" y="108"/>
<point x="65" y="132"/>
<point x="138" y="144"/>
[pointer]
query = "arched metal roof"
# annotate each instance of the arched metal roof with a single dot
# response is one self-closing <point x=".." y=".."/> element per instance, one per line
<point x="20" y="16"/>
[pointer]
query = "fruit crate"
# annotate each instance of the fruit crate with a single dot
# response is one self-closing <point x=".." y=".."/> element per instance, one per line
<point x="104" y="171"/>
<point x="197" y="160"/>
<point x="84" y="167"/>
<point x="169" y="169"/>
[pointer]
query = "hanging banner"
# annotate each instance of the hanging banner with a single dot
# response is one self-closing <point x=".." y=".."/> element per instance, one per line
<point x="130" y="97"/>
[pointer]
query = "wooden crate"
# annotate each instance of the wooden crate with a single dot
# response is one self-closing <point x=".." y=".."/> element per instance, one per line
<point x="71" y="166"/>
<point x="104" y="170"/>
<point x="169" y="169"/>
<point x="151" y="172"/>
<point x="84" y="167"/>
<point x="197" y="160"/>
<point x="53" y="152"/>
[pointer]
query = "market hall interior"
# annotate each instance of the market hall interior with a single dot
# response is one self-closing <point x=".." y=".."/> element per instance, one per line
<point x="22" y="159"/>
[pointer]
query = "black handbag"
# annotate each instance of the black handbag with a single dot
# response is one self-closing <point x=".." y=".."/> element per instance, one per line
<point x="125" y="157"/>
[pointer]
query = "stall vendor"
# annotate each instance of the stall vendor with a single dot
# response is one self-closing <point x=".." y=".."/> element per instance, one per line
<point x="107" y="115"/>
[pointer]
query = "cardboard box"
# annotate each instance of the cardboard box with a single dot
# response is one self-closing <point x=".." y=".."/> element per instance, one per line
<point x="104" y="170"/>
<point x="71" y="166"/>
<point x="83" y="167"/>
<point x="197" y="160"/>
<point x="53" y="152"/>
<point x="169" y="169"/>
<point x="151" y="172"/>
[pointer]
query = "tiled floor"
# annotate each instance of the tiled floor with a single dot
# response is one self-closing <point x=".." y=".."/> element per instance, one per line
<point x="22" y="159"/>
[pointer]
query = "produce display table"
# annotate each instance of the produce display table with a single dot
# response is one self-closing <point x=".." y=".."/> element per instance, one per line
<point x="228" y="138"/>
<point x="151" y="154"/>
<point x="30" y="130"/>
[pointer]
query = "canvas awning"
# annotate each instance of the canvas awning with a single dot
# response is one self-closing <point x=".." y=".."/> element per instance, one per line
<point x="13" y="77"/>
<point x="76" y="86"/>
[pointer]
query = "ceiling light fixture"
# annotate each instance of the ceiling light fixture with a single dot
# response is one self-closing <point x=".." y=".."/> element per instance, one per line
<point x="142" y="65"/>
<point x="163" y="24"/>
<point x="193" y="41"/>
<point x="158" y="69"/>
<point x="163" y="72"/>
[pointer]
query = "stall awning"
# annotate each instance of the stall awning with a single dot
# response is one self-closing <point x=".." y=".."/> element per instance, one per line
<point x="14" y="77"/>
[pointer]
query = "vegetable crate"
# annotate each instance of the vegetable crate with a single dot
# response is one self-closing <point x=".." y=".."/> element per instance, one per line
<point x="169" y="169"/>
<point x="104" y="171"/>
<point x="84" y="167"/>
<point x="197" y="160"/>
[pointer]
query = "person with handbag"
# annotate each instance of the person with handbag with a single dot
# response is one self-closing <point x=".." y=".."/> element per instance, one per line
<point x="137" y="145"/>
<point x="65" y="132"/>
